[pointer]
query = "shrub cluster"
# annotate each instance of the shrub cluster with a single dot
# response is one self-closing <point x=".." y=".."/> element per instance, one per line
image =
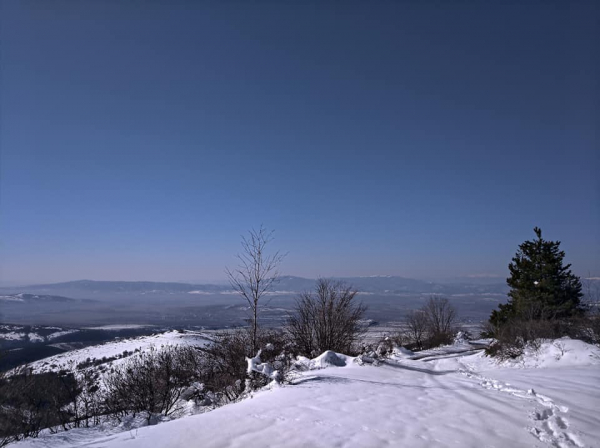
<point x="30" y="403"/>
<point x="151" y="383"/>
<point x="511" y="338"/>
<point x="224" y="365"/>
<point x="328" y="319"/>
<point x="432" y="325"/>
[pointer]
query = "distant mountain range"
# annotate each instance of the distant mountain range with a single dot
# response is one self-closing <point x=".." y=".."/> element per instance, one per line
<point x="286" y="284"/>
<point x="120" y="286"/>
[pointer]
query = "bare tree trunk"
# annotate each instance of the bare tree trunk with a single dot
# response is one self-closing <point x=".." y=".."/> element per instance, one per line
<point x="255" y="328"/>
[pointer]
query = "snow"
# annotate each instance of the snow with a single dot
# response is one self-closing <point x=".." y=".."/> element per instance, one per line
<point x="452" y="396"/>
<point x="71" y="359"/>
<point x="34" y="337"/>
<point x="264" y="368"/>
<point x="13" y="336"/>
<point x="32" y="334"/>
<point x="14" y="298"/>
<point x="401" y="352"/>
<point x="58" y="334"/>
<point x="330" y="358"/>
<point x="558" y="353"/>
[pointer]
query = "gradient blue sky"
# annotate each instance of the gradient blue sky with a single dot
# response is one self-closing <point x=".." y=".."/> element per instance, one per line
<point x="139" y="140"/>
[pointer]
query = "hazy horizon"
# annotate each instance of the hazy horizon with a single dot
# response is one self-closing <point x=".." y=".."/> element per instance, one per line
<point x="477" y="278"/>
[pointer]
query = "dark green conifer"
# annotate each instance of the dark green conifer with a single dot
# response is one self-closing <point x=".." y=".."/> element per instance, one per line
<point x="541" y="287"/>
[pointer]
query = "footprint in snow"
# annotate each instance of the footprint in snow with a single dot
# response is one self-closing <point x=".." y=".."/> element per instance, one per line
<point x="551" y="427"/>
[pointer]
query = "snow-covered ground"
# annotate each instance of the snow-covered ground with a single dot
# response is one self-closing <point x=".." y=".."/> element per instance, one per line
<point x="448" y="397"/>
<point x="113" y="349"/>
<point x="32" y="334"/>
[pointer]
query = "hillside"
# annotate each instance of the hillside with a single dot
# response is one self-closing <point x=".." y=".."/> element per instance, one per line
<point x="448" y="397"/>
<point x="114" y="352"/>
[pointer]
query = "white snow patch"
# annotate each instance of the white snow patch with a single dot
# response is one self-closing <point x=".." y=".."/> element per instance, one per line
<point x="34" y="337"/>
<point x="330" y="358"/>
<point x="70" y="360"/>
<point x="58" y="334"/>
<point x="13" y="336"/>
<point x="564" y="352"/>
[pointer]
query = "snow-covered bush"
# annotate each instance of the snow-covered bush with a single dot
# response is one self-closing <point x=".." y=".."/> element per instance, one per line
<point x="461" y="337"/>
<point x="255" y="365"/>
<point x="512" y="337"/>
<point x="224" y="366"/>
<point x="386" y="345"/>
<point x="369" y="358"/>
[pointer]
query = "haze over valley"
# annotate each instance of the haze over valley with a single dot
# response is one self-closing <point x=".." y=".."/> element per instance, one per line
<point x="85" y="302"/>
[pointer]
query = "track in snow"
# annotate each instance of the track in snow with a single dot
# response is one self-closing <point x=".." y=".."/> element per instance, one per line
<point x="549" y="423"/>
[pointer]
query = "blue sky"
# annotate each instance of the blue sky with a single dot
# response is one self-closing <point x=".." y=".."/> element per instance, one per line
<point x="138" y="141"/>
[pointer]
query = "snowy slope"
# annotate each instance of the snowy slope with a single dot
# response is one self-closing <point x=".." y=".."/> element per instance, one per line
<point x="451" y="398"/>
<point x="70" y="360"/>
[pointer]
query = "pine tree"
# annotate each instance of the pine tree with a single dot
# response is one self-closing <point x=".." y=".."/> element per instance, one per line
<point x="541" y="287"/>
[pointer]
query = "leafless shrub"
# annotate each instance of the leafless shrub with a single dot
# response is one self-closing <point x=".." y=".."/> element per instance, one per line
<point x="591" y="319"/>
<point x="561" y="347"/>
<point x="328" y="319"/>
<point x="591" y="288"/>
<point x="432" y="325"/>
<point x="224" y="367"/>
<point x="89" y="404"/>
<point x="441" y="321"/>
<point x="514" y="336"/>
<point x="151" y="383"/>
<point x="32" y="402"/>
<point x="417" y="326"/>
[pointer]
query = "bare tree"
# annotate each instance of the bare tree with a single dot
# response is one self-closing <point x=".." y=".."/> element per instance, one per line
<point x="416" y="327"/>
<point x="591" y="287"/>
<point x="441" y="319"/>
<point x="329" y="319"/>
<point x="256" y="272"/>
